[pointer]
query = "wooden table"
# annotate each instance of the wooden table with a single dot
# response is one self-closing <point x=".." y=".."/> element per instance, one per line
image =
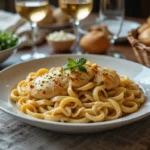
<point x="124" y="48"/>
<point x="15" y="135"/>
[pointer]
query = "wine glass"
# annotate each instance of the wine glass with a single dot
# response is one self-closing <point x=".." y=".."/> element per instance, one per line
<point x="77" y="10"/>
<point x="33" y="11"/>
<point x="112" y="15"/>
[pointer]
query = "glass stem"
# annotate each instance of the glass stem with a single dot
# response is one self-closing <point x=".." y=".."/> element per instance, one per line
<point x="112" y="42"/>
<point x="76" y="47"/>
<point x="34" y="37"/>
<point x="76" y="29"/>
<point x="112" y="51"/>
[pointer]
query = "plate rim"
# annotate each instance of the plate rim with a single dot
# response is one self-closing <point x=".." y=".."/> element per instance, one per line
<point x="74" y="55"/>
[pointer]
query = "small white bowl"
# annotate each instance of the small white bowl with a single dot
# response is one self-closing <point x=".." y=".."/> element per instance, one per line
<point x="4" y="54"/>
<point x="61" y="46"/>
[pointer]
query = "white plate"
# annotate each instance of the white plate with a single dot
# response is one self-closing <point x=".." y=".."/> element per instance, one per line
<point x="12" y="75"/>
<point x="127" y="26"/>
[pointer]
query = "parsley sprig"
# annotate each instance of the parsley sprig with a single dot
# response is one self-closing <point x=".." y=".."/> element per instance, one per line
<point x="76" y="64"/>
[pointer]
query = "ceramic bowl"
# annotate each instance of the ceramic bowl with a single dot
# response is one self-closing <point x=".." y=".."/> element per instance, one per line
<point x="61" y="46"/>
<point x="5" y="54"/>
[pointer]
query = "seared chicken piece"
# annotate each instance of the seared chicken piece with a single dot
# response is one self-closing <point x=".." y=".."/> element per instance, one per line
<point x="56" y="81"/>
<point x="107" y="77"/>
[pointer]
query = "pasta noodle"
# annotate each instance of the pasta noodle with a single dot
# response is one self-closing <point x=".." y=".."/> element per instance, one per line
<point x="99" y="94"/>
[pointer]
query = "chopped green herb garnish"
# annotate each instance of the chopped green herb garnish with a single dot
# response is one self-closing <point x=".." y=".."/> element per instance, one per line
<point x="7" y="40"/>
<point x="76" y="64"/>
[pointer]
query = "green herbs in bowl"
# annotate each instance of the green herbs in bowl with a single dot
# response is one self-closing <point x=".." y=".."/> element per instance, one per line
<point x="7" y="40"/>
<point x="9" y="43"/>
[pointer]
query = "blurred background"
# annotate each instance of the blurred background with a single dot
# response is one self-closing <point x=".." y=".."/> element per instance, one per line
<point x="134" y="8"/>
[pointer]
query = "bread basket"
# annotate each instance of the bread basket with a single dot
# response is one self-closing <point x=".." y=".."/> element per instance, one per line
<point x="141" y="51"/>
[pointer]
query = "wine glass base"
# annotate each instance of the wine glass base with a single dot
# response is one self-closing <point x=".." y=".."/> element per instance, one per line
<point x="76" y="49"/>
<point x="116" y="55"/>
<point x="27" y="57"/>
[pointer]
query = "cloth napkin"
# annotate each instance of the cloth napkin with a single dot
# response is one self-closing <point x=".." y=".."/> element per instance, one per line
<point x="14" y="23"/>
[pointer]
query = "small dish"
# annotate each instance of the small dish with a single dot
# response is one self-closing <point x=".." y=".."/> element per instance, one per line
<point x="59" y="45"/>
<point x="5" y="54"/>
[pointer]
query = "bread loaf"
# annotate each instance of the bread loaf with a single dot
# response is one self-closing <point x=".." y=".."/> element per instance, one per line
<point x="94" y="42"/>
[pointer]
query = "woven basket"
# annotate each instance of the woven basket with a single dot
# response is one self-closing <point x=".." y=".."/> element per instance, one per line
<point x="141" y="51"/>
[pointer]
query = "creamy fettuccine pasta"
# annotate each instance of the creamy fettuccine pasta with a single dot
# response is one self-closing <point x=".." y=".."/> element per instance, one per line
<point x="95" y="95"/>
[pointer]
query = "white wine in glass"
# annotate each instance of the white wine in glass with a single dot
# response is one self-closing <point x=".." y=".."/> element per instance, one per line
<point x="33" y="11"/>
<point x="77" y="10"/>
